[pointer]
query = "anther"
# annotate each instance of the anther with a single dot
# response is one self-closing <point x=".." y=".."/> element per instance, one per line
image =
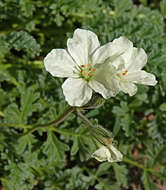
<point x="118" y="74"/>
<point x="124" y="73"/>
<point x="94" y="69"/>
<point x="89" y="65"/>
<point x="89" y="74"/>
<point x="82" y="66"/>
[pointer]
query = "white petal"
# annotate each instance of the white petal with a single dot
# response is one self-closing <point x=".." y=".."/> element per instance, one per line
<point x="99" y="88"/>
<point x="59" y="63"/>
<point x="105" y="75"/>
<point x="102" y="154"/>
<point x="76" y="91"/>
<point x="137" y="61"/>
<point x="141" y="77"/>
<point x="110" y="154"/>
<point x="117" y="154"/>
<point x="119" y="63"/>
<point x="83" y="43"/>
<point x="111" y="50"/>
<point x="128" y="87"/>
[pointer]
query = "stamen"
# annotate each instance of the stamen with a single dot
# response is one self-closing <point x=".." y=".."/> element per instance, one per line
<point x="118" y="74"/>
<point x="89" y="74"/>
<point x="124" y="73"/>
<point x="86" y="71"/>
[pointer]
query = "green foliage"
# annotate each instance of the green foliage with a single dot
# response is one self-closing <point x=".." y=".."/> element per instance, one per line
<point x="148" y="184"/>
<point x="121" y="174"/>
<point x="58" y="157"/>
<point x="163" y="7"/>
<point x="54" y="149"/>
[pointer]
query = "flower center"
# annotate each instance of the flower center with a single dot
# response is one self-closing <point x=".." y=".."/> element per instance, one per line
<point x="122" y="74"/>
<point x="87" y="71"/>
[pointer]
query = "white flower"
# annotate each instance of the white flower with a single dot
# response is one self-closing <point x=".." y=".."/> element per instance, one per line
<point x="82" y="63"/>
<point x="107" y="153"/>
<point x="125" y="71"/>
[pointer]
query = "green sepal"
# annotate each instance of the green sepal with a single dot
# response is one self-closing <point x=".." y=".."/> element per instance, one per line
<point x="96" y="102"/>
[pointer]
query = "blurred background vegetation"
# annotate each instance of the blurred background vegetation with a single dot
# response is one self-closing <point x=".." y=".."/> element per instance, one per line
<point x="58" y="158"/>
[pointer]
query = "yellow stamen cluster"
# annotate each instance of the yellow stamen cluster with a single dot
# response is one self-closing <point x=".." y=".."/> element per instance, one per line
<point x="122" y="74"/>
<point x="87" y="71"/>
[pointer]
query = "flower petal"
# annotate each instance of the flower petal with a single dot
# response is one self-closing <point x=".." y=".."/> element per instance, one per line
<point x="141" y="77"/>
<point x="59" y="63"/>
<point x="111" y="50"/>
<point x="105" y="75"/>
<point x="137" y="61"/>
<point x="128" y="87"/>
<point x="83" y="43"/>
<point x="99" y="88"/>
<point x="102" y="154"/>
<point x="117" y="154"/>
<point x="76" y="91"/>
<point x="110" y="154"/>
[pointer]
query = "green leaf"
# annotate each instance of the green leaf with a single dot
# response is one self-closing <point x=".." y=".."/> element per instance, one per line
<point x="4" y="47"/>
<point x="121" y="174"/>
<point x="83" y="143"/>
<point x="12" y="114"/>
<point x="75" y="147"/>
<point x="92" y="113"/>
<point x="4" y="98"/>
<point x="144" y="2"/>
<point x="125" y="123"/>
<point x="121" y="6"/>
<point x="27" y="7"/>
<point x="20" y="173"/>
<point x="163" y="7"/>
<point x="25" y="143"/>
<point x="29" y="102"/>
<point x="6" y="76"/>
<point x="104" y="184"/>
<point x="161" y="155"/>
<point x="103" y="169"/>
<point x="54" y="149"/>
<point x="117" y="126"/>
<point x="148" y="183"/>
<point x="23" y="41"/>
<point x="163" y="106"/>
<point x="86" y="147"/>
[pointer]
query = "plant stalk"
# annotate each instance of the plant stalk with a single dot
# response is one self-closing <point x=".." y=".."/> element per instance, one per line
<point x="84" y="119"/>
<point x="55" y="122"/>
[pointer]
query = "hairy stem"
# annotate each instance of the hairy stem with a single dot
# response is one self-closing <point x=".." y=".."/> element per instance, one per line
<point x="85" y="120"/>
<point x="55" y="122"/>
<point x="151" y="170"/>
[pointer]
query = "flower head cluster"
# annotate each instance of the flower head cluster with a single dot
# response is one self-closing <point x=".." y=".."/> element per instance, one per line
<point x="89" y="67"/>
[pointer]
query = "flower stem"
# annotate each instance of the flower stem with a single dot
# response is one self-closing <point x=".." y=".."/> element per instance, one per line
<point x="151" y="170"/>
<point x="55" y="122"/>
<point x="85" y="120"/>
